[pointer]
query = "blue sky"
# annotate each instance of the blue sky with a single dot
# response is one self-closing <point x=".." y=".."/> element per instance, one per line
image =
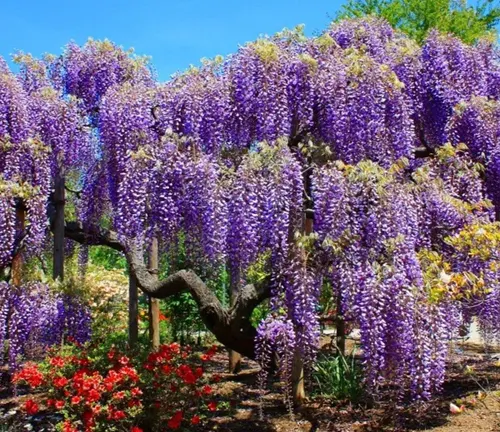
<point x="175" y="33"/>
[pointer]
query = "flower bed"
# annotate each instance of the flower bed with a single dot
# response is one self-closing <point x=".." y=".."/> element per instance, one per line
<point x="117" y="393"/>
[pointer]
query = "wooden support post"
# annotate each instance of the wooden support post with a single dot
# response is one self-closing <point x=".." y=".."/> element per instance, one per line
<point x="299" y="392"/>
<point x="340" y="324"/>
<point x="59" y="203"/>
<point x="234" y="357"/>
<point x="18" y="260"/>
<point x="154" y="304"/>
<point x="133" y="311"/>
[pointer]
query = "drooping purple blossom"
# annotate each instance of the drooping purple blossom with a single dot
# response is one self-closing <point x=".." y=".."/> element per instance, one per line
<point x="33" y="318"/>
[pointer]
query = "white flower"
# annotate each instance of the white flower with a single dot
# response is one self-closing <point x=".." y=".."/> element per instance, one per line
<point x="446" y="278"/>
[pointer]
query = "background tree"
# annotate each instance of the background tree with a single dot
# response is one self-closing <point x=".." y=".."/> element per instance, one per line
<point x="417" y="17"/>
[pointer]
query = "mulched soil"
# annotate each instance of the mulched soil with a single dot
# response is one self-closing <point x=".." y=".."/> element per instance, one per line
<point x="240" y="405"/>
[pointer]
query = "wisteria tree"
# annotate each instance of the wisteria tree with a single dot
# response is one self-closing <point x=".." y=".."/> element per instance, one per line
<point x="356" y="160"/>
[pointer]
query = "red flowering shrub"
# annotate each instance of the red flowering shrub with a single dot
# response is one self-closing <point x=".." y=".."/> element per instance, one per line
<point x="181" y="391"/>
<point x="117" y="393"/>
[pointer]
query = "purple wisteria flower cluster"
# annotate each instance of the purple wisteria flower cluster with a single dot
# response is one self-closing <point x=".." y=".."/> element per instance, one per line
<point x="32" y="318"/>
<point x="372" y="226"/>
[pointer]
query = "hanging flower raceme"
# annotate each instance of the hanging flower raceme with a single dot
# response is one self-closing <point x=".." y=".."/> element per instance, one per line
<point x="33" y="318"/>
<point x="264" y="209"/>
<point x="24" y="170"/>
<point x="89" y="71"/>
<point x="25" y="185"/>
<point x="14" y="119"/>
<point x="452" y="72"/>
<point x="276" y="335"/>
<point x="476" y="123"/>
<point x="94" y="198"/>
<point x="371" y="33"/>
<point x="61" y="124"/>
<point x="204" y="210"/>
<point x="131" y="209"/>
<point x="126" y="123"/>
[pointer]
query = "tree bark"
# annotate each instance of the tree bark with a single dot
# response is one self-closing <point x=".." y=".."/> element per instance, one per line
<point x="58" y="226"/>
<point x="154" y="304"/>
<point x="133" y="311"/>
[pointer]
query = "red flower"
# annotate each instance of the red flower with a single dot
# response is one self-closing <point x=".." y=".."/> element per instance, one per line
<point x="216" y="378"/>
<point x="84" y="362"/>
<point x="133" y="402"/>
<point x="166" y="369"/>
<point x="59" y="404"/>
<point x="123" y="360"/>
<point x="136" y="391"/>
<point x="31" y="407"/>
<point x="119" y="395"/>
<point x="68" y="427"/>
<point x="88" y="418"/>
<point x="175" y="421"/>
<point x="186" y="374"/>
<point x="198" y="372"/>
<point x="30" y="374"/>
<point x="51" y="402"/>
<point x="127" y="371"/>
<point x="60" y="382"/>
<point x="93" y="396"/>
<point x="210" y="353"/>
<point x="136" y="429"/>
<point x="57" y="362"/>
<point x="119" y="415"/>
<point x="195" y="420"/>
<point x="212" y="406"/>
<point x="111" y="354"/>
<point x="96" y="409"/>
<point x="75" y="400"/>
<point x="207" y="390"/>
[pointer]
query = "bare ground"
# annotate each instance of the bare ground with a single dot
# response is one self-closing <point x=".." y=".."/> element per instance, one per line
<point x="470" y="371"/>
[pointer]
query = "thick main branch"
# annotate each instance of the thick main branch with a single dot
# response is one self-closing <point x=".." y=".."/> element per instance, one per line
<point x="231" y="326"/>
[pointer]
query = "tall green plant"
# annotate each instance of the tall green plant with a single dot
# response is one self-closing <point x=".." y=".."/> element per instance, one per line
<point x="338" y="377"/>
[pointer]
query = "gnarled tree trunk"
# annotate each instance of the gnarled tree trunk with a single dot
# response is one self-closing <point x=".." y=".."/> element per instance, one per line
<point x="231" y="326"/>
